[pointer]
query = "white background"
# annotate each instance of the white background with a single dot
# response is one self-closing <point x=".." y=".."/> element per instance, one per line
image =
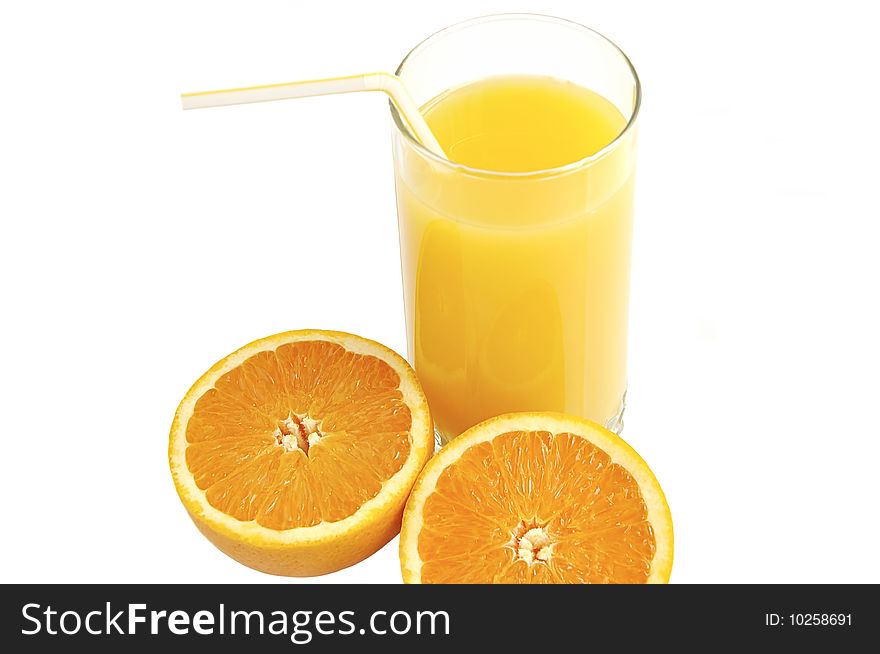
<point x="141" y="243"/>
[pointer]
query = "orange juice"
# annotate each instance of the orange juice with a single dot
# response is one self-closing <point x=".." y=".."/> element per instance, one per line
<point x="516" y="252"/>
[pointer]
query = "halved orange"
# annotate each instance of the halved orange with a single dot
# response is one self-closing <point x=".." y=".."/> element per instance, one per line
<point x="295" y="454"/>
<point x="536" y="498"/>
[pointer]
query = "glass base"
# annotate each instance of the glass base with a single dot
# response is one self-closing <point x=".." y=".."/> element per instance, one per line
<point x="614" y="423"/>
<point x="438" y="441"/>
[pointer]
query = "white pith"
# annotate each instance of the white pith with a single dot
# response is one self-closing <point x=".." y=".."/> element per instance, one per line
<point x="297" y="432"/>
<point x="534" y="546"/>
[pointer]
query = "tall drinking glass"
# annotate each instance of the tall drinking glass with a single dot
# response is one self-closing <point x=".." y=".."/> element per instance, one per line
<point x="516" y="276"/>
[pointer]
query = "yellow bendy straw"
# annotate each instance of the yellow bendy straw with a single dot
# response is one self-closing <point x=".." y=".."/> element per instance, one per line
<point x="389" y="84"/>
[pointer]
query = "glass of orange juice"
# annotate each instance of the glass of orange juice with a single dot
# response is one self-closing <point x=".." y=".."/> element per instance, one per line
<point x="516" y="247"/>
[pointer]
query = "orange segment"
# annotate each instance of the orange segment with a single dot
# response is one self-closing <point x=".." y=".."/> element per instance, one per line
<point x="301" y="436"/>
<point x="536" y="498"/>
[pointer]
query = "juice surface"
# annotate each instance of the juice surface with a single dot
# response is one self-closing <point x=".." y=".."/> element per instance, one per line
<point x="516" y="286"/>
<point x="522" y="123"/>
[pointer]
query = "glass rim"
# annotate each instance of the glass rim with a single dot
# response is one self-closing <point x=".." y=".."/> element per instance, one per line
<point x="545" y="172"/>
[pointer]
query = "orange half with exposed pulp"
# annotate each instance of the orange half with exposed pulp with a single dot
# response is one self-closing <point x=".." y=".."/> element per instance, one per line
<point x="537" y="498"/>
<point x="295" y="454"/>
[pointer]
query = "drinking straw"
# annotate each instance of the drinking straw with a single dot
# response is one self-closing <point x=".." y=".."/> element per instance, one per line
<point x="389" y="84"/>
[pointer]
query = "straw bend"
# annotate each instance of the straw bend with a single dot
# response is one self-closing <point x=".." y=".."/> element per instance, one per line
<point x="387" y="83"/>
